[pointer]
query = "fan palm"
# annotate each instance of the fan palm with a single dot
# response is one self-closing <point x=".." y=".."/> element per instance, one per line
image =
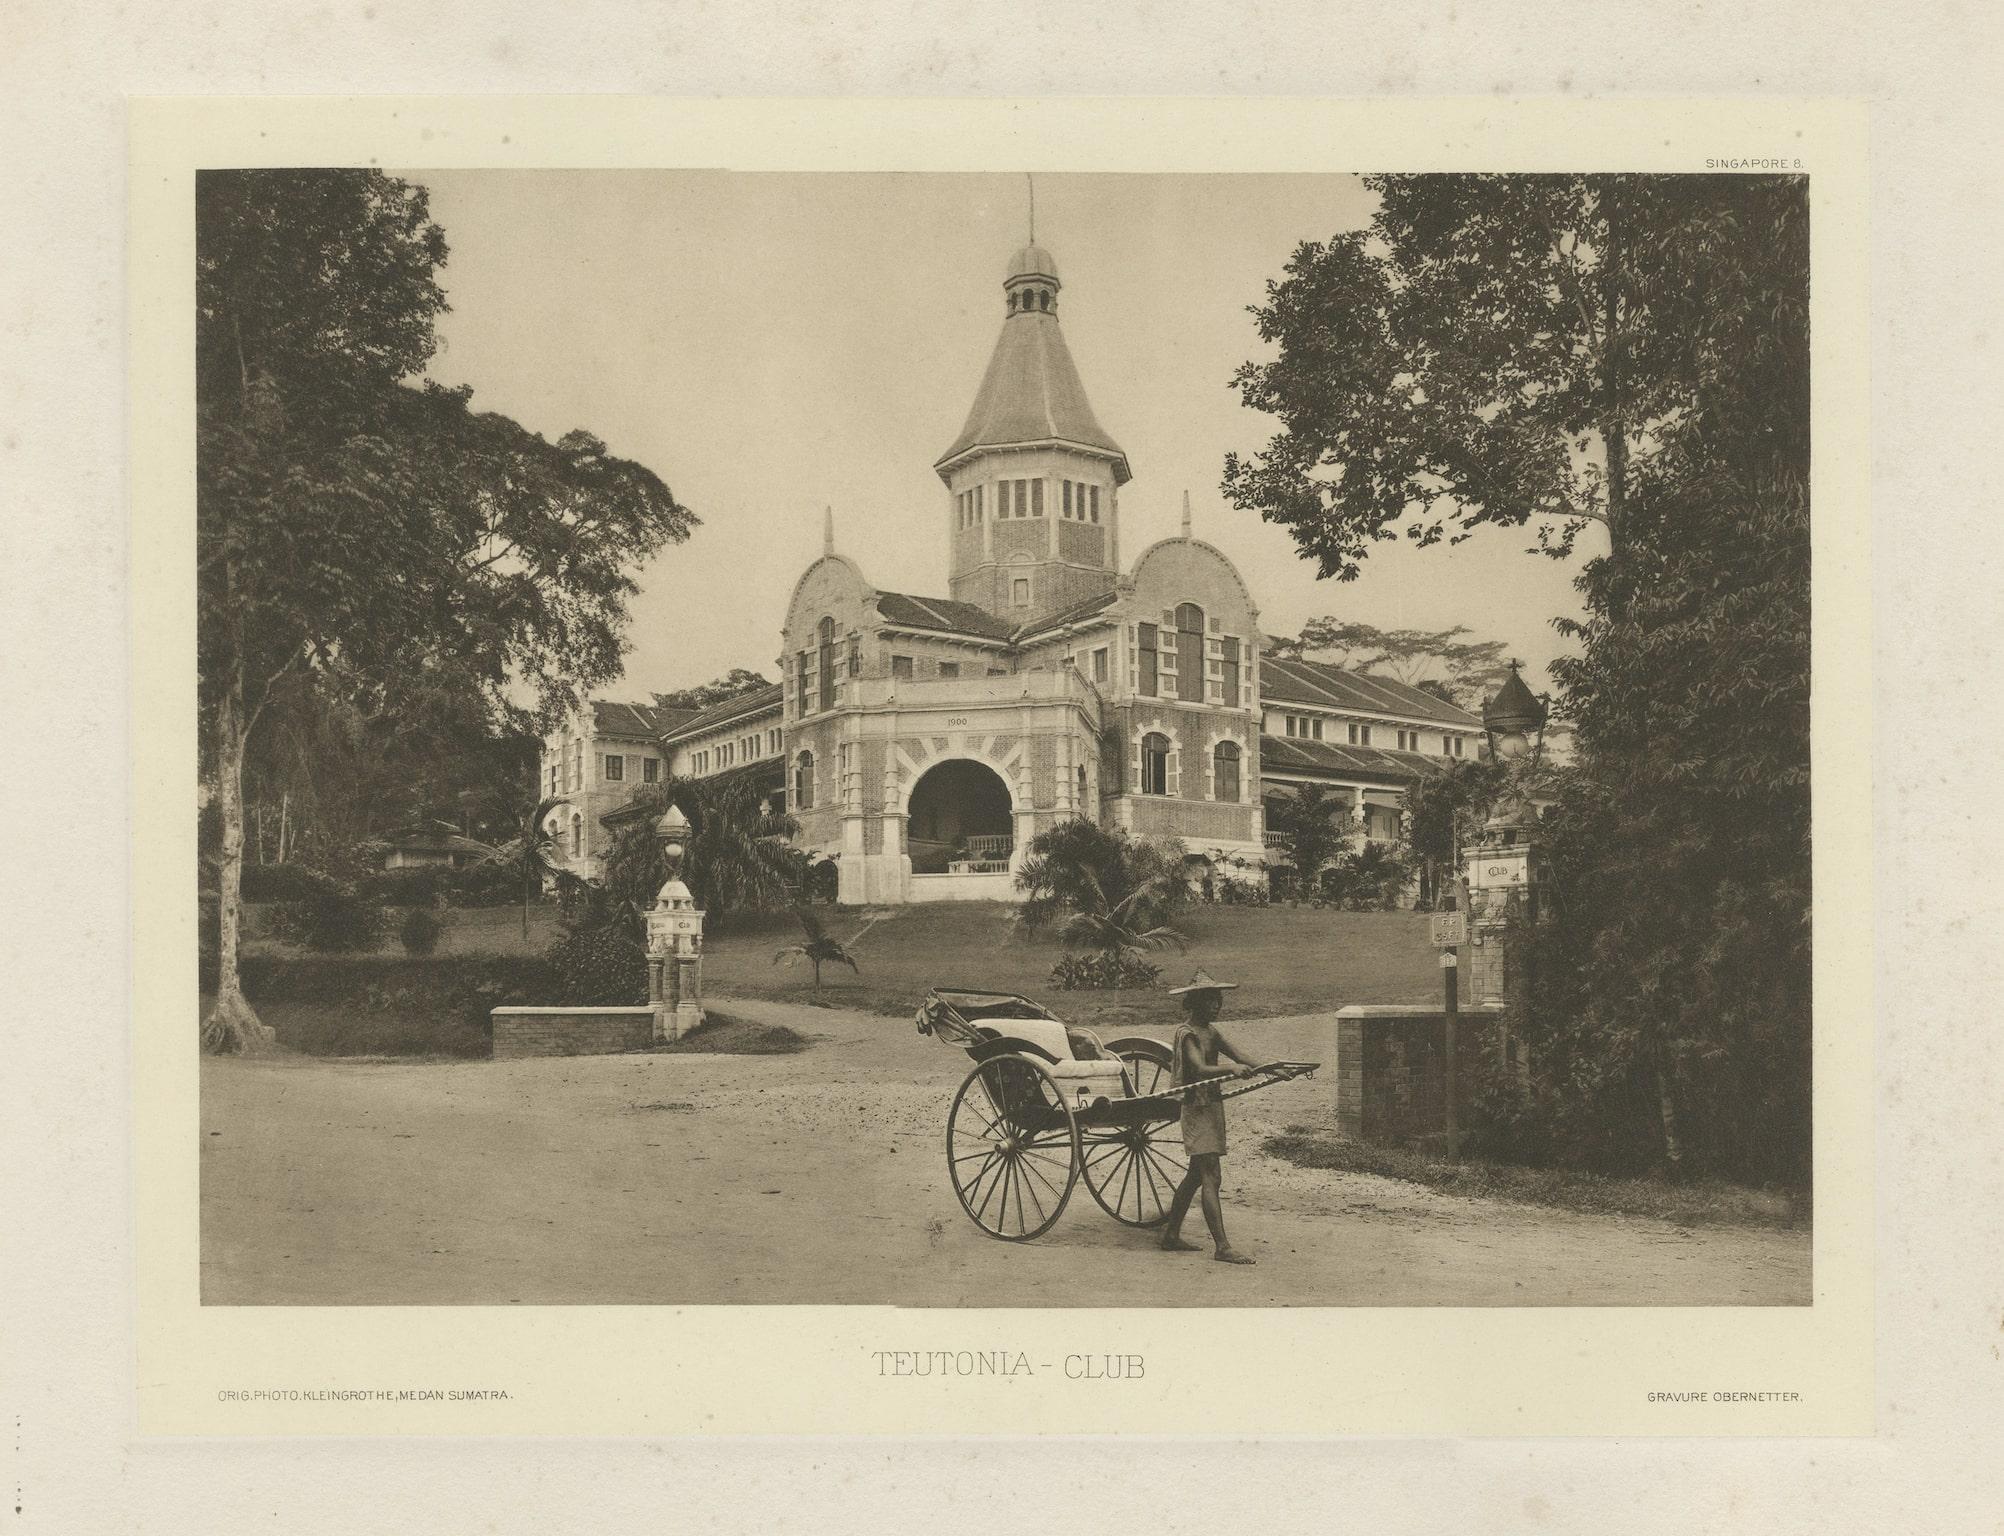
<point x="820" y="948"/>
<point x="1114" y="928"/>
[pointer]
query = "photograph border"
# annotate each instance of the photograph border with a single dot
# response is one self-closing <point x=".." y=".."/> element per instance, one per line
<point x="611" y="1371"/>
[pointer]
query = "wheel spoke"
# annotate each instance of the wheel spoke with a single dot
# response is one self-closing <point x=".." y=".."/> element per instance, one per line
<point x="1154" y="1189"/>
<point x="1031" y="1187"/>
<point x="995" y="1183"/>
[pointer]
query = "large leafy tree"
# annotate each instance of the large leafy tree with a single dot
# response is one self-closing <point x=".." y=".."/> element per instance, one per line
<point x="1681" y="1025"/>
<point x="1629" y="352"/>
<point x="1503" y="350"/>
<point x="350" y="515"/>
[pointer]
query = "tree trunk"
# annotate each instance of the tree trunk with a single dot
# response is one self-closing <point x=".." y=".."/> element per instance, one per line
<point x="817" y="977"/>
<point x="232" y="1025"/>
<point x="1614" y="424"/>
<point x="1666" y="1109"/>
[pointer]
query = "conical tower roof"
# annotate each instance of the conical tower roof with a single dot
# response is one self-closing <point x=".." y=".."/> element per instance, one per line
<point x="1514" y="707"/>
<point x="1031" y="392"/>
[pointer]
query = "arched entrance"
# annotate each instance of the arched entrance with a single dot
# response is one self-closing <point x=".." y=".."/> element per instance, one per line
<point x="958" y="820"/>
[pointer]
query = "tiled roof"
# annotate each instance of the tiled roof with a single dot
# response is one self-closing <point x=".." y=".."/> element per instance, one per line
<point x="1031" y="393"/>
<point x="942" y="614"/>
<point x="641" y="722"/>
<point x="759" y="701"/>
<point x="1085" y="610"/>
<point x="1314" y="682"/>
<point x="1326" y="759"/>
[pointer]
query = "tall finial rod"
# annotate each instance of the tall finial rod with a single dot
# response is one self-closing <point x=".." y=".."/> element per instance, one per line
<point x="827" y="530"/>
<point x="1186" y="514"/>
<point x="1032" y="180"/>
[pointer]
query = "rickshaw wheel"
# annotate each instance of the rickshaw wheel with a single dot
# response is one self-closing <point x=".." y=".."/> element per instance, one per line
<point x="1131" y="1171"/>
<point x="1012" y="1148"/>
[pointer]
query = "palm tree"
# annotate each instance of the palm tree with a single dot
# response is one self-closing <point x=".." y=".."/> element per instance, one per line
<point x="1309" y="819"/>
<point x="820" y="948"/>
<point x="1115" y="928"/>
<point x="740" y="857"/>
<point x="535" y="854"/>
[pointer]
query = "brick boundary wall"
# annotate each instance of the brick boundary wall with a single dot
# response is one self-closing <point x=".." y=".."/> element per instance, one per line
<point x="1391" y="1069"/>
<point x="520" y="1032"/>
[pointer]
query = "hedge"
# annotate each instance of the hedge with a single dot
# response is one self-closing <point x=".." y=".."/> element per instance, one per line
<point x="391" y="1005"/>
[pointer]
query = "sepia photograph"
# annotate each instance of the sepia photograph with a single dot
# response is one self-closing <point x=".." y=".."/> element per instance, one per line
<point x="1004" y="739"/>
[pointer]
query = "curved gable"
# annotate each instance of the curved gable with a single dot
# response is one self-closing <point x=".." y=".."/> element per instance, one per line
<point x="833" y="585"/>
<point x="1183" y="570"/>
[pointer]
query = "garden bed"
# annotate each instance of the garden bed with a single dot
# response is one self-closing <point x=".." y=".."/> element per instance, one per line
<point x="1688" y="1205"/>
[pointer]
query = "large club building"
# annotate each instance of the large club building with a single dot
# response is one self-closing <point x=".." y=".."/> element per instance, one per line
<point x="921" y="742"/>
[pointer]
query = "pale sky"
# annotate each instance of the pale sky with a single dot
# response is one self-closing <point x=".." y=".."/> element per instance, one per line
<point x="773" y="344"/>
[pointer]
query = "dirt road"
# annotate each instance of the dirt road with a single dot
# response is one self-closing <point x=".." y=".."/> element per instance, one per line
<point x="821" y="1177"/>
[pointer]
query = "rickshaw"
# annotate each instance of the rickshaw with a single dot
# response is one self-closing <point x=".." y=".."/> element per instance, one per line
<point x="1047" y="1104"/>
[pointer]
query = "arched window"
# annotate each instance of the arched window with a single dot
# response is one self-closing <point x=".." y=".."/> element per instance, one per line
<point x="1225" y="771"/>
<point x="1190" y="653"/>
<point x="1082" y="786"/>
<point x="827" y="660"/>
<point x="1155" y="764"/>
<point x="577" y="836"/>
<point x="1044" y="300"/>
<point x="803" y="782"/>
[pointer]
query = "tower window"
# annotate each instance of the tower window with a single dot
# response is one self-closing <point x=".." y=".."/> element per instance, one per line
<point x="1099" y="665"/>
<point x="1020" y="591"/>
<point x="1036" y="498"/>
<point x="901" y="666"/>
<point x="1147" y="681"/>
<point x="1230" y="646"/>
<point x="1068" y="498"/>
<point x="1094" y="492"/>
<point x="949" y="669"/>
<point x="803" y="782"/>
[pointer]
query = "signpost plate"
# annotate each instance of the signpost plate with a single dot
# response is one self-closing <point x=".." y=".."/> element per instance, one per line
<point x="1449" y="929"/>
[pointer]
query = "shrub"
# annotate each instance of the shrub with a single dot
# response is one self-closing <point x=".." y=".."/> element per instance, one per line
<point x="420" y="930"/>
<point x="1080" y="866"/>
<point x="489" y="883"/>
<point x="392" y="1005"/>
<point x="417" y="886"/>
<point x="1096" y="972"/>
<point x="263" y="883"/>
<point x="600" y="967"/>
<point x="332" y="918"/>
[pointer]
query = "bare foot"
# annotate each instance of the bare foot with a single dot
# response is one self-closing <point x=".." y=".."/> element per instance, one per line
<point x="1232" y="1256"/>
<point x="1177" y="1245"/>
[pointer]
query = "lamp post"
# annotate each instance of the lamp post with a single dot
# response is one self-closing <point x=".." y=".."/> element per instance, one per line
<point x="674" y="938"/>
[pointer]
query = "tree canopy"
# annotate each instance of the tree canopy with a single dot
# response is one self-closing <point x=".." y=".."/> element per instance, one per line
<point x="352" y="515"/>
<point x="737" y="681"/>
<point x="1490" y="350"/>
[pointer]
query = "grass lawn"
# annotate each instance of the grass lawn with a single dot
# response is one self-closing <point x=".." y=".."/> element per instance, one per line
<point x="1287" y="960"/>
